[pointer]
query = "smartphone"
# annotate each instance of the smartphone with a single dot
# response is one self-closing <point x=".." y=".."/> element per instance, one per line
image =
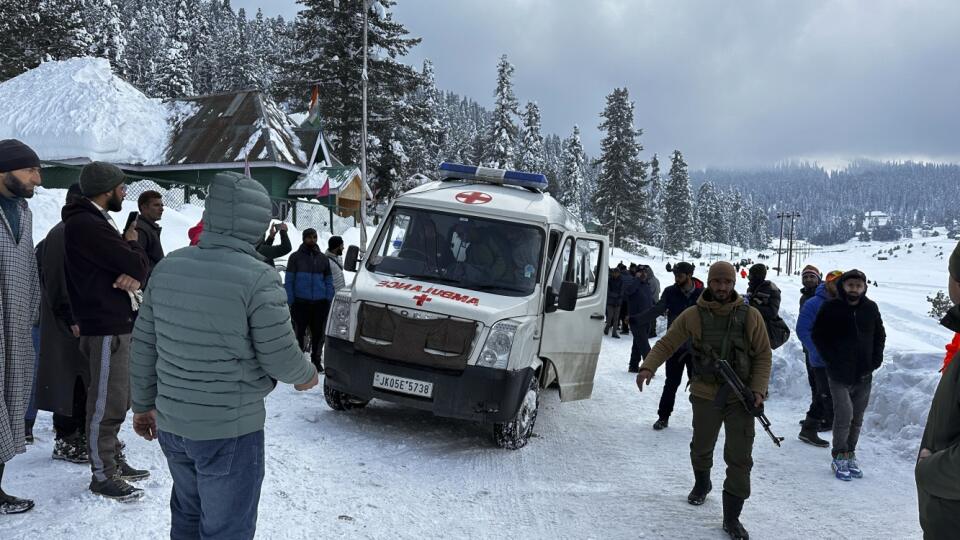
<point x="131" y="218"/>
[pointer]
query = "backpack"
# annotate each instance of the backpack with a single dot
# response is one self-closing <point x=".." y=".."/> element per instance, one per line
<point x="778" y="332"/>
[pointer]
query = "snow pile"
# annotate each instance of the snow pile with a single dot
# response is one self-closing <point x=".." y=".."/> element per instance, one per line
<point x="78" y="108"/>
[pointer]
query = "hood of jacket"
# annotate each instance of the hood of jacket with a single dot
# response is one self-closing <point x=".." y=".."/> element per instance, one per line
<point x="852" y="274"/>
<point x="236" y="214"/>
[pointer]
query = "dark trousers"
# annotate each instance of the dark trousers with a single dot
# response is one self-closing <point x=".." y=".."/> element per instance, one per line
<point x="312" y="315"/>
<point x="216" y="485"/>
<point x="737" y="447"/>
<point x="613" y="319"/>
<point x="676" y="365"/>
<point x="624" y="317"/>
<point x="849" y="404"/>
<point x="108" y="399"/>
<point x="641" y="344"/>
<point x="64" y="425"/>
<point x="821" y="404"/>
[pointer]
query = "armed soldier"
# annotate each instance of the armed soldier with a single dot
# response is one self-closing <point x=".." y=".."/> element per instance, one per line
<point x="720" y="325"/>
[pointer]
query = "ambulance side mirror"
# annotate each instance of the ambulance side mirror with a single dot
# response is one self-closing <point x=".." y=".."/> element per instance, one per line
<point x="352" y="259"/>
<point x="568" y="296"/>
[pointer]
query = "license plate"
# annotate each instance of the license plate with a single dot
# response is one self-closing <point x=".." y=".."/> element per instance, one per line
<point x="402" y="385"/>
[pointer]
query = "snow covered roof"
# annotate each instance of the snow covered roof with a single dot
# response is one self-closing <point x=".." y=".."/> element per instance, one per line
<point x="230" y="127"/>
<point x="78" y="108"/>
<point x="312" y="182"/>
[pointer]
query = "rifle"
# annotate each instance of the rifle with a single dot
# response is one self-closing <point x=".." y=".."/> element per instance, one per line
<point x="744" y="394"/>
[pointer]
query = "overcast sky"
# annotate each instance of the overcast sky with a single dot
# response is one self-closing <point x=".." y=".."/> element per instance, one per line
<point x="739" y="83"/>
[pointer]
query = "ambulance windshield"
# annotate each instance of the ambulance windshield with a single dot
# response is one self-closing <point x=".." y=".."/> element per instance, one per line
<point x="499" y="257"/>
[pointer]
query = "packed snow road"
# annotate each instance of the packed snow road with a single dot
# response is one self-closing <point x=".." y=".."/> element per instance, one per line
<point x="595" y="469"/>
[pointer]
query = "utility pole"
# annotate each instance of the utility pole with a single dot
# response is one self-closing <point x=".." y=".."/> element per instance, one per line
<point x="790" y="261"/>
<point x="780" y="216"/>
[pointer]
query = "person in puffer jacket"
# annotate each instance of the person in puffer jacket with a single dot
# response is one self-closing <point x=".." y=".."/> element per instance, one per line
<point x="309" y="284"/>
<point x="820" y="414"/>
<point x="212" y="333"/>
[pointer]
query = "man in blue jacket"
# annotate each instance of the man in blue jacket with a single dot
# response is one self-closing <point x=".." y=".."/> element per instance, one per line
<point x="822" y="408"/>
<point x="675" y="299"/>
<point x="309" y="284"/>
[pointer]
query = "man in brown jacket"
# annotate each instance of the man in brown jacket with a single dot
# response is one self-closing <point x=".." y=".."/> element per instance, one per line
<point x="720" y="323"/>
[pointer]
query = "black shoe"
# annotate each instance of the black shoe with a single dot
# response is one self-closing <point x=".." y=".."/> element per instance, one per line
<point x="28" y="432"/>
<point x="634" y="369"/>
<point x="701" y="488"/>
<point x="128" y="473"/>
<point x="662" y="423"/>
<point x="14" y="505"/>
<point x="606" y="330"/>
<point x="72" y="449"/>
<point x="117" y="489"/>
<point x="732" y="506"/>
<point x="809" y="435"/>
<point x="825" y="426"/>
<point x="616" y="336"/>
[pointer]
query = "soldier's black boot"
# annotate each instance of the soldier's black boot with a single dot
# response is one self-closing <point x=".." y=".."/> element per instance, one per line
<point x="808" y="433"/>
<point x="701" y="488"/>
<point x="732" y="506"/>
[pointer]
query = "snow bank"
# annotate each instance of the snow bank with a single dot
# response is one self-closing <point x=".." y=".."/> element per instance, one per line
<point x="78" y="108"/>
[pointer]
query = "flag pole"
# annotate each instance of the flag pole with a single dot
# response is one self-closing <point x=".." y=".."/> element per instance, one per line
<point x="363" y="139"/>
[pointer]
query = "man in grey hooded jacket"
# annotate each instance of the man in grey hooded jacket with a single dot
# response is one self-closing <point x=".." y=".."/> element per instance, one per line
<point x="213" y="333"/>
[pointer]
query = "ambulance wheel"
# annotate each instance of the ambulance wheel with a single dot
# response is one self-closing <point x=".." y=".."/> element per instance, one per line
<point x="341" y="401"/>
<point x="514" y="434"/>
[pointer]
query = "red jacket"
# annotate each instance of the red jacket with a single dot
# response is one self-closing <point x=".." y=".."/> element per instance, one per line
<point x="194" y="233"/>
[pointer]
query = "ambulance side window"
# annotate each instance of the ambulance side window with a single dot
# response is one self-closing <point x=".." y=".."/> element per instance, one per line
<point x="565" y="268"/>
<point x="587" y="270"/>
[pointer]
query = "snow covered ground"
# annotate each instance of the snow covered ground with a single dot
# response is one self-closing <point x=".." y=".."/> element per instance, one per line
<point x="595" y="468"/>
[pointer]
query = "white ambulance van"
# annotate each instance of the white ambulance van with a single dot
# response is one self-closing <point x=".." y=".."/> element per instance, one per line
<point x="476" y="292"/>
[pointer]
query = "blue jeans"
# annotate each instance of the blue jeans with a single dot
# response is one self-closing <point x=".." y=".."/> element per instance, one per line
<point x="31" y="415"/>
<point x="216" y="485"/>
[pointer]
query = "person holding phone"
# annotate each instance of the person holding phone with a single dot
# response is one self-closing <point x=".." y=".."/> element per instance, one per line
<point x="270" y="251"/>
<point x="105" y="268"/>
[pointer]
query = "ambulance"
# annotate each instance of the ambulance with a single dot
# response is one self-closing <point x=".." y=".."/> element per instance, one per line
<point x="477" y="292"/>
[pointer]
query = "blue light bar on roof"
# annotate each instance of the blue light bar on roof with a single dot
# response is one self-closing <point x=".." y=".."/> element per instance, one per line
<point x="450" y="171"/>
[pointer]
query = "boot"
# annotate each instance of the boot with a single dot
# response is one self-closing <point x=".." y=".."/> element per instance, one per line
<point x="732" y="506"/>
<point x="128" y="473"/>
<point x="661" y="424"/>
<point x="701" y="488"/>
<point x="28" y="432"/>
<point x="117" y="489"/>
<point x="808" y="434"/>
<point x="72" y="449"/>
<point x="634" y="367"/>
<point x="14" y="505"/>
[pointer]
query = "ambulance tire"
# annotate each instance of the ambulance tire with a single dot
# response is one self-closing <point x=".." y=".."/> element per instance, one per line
<point x="341" y="401"/>
<point x="515" y="434"/>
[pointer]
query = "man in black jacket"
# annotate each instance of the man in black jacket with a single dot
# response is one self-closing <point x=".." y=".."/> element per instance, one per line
<point x="614" y="299"/>
<point x="676" y="298"/>
<point x="850" y="337"/>
<point x="150" y="204"/>
<point x="272" y="252"/>
<point x="105" y="269"/>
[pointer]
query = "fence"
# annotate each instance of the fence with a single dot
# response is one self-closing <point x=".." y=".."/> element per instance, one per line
<point x="303" y="214"/>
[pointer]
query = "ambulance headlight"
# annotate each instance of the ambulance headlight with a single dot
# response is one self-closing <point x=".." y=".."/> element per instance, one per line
<point x="339" y="323"/>
<point x="496" y="350"/>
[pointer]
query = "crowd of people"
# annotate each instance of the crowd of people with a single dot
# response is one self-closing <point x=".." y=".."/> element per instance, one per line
<point x="843" y="339"/>
<point x="85" y="338"/>
<point x="195" y="353"/>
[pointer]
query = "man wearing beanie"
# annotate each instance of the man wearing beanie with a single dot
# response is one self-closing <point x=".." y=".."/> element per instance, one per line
<point x="19" y="302"/>
<point x="309" y="284"/>
<point x="849" y="336"/>
<point x="820" y="415"/>
<point x="765" y="296"/>
<point x="105" y="268"/>
<point x="64" y="373"/>
<point x="811" y="278"/>
<point x="676" y="298"/>
<point x="721" y="324"/>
